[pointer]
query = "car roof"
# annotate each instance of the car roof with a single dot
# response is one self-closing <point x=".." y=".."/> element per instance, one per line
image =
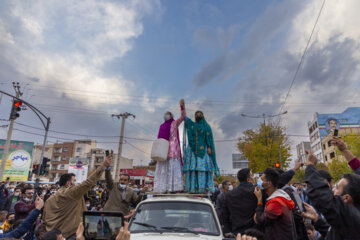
<point x="177" y="198"/>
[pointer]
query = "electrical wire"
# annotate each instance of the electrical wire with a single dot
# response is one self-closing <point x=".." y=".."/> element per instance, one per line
<point x="302" y="57"/>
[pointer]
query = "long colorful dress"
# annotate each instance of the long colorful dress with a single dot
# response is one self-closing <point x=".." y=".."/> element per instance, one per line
<point x="199" y="167"/>
<point x="168" y="174"/>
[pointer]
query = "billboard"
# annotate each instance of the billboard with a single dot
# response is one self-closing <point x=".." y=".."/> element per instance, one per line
<point x="18" y="161"/>
<point x="79" y="167"/>
<point x="350" y="118"/>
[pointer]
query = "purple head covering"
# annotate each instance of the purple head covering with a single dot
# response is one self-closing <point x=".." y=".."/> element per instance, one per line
<point x="164" y="131"/>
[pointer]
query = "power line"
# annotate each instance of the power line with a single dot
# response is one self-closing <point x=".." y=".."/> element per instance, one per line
<point x="302" y="57"/>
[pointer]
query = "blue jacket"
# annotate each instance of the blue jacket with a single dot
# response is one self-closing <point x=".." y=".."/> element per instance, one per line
<point x="24" y="227"/>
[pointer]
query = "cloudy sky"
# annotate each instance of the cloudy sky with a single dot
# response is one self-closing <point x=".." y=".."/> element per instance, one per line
<point x="81" y="61"/>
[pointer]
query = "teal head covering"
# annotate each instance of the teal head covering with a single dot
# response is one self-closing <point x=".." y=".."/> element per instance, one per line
<point x="200" y="137"/>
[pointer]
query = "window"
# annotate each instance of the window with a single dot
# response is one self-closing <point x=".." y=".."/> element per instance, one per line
<point x="99" y="159"/>
<point x="332" y="155"/>
<point x="325" y="158"/>
<point x="57" y="158"/>
<point x="53" y="175"/>
<point x="63" y="158"/>
<point x="329" y="143"/>
<point x="54" y="167"/>
<point x="65" y="149"/>
<point x="57" y="150"/>
<point x="324" y="146"/>
<point x="78" y="149"/>
<point x="62" y="166"/>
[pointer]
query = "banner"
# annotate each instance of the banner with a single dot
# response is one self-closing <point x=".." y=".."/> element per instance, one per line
<point x="79" y="167"/>
<point x="18" y="161"/>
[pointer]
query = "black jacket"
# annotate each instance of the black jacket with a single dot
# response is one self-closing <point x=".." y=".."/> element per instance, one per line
<point x="344" y="220"/>
<point x="239" y="209"/>
<point x="220" y="205"/>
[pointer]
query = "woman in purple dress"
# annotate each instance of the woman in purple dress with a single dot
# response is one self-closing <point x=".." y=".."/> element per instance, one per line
<point x="168" y="174"/>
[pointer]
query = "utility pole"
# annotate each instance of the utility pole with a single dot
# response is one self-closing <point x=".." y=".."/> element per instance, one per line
<point x="16" y="87"/>
<point x="123" y="117"/>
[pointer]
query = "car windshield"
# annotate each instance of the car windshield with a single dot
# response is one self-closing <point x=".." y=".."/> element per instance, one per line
<point x="181" y="217"/>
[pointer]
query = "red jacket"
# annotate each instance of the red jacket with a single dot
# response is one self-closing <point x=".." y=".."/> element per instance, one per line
<point x="277" y="216"/>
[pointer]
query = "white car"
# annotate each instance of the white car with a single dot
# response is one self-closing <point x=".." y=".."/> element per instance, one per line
<point x="175" y="217"/>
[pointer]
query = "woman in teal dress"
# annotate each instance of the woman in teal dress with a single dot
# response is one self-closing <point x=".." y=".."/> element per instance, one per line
<point x="199" y="156"/>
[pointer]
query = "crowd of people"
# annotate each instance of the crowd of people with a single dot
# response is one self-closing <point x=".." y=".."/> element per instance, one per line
<point x="272" y="208"/>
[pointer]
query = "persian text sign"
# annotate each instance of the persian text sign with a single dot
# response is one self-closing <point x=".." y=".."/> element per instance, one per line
<point x="18" y="160"/>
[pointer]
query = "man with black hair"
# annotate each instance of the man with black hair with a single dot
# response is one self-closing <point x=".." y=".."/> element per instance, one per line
<point x="276" y="217"/>
<point x="327" y="177"/>
<point x="63" y="210"/>
<point x="121" y="196"/>
<point x="25" y="205"/>
<point x="240" y="204"/>
<point x="220" y="202"/>
<point x="341" y="209"/>
<point x="53" y="235"/>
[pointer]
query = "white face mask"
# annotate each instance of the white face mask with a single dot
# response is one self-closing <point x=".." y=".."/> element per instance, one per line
<point x="11" y="190"/>
<point x="167" y="117"/>
<point x="44" y="193"/>
<point x="16" y="194"/>
<point x="231" y="187"/>
<point x="52" y="192"/>
<point x="26" y="199"/>
<point x="122" y="186"/>
<point x="87" y="205"/>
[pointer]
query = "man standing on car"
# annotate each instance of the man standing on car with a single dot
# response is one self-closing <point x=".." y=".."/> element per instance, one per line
<point x="121" y="196"/>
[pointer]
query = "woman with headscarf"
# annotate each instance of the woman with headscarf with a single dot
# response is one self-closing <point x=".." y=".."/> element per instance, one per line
<point x="199" y="156"/>
<point x="168" y="174"/>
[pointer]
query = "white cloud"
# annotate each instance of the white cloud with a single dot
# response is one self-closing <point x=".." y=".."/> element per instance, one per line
<point x="67" y="43"/>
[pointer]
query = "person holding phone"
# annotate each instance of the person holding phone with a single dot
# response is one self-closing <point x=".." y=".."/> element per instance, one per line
<point x="63" y="210"/>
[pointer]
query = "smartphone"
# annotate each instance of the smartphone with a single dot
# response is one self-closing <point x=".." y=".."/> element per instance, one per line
<point x="107" y="152"/>
<point x="102" y="225"/>
<point x="336" y="133"/>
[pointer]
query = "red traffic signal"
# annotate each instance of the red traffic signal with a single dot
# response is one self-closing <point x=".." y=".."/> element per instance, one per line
<point x="18" y="103"/>
<point x="277" y="165"/>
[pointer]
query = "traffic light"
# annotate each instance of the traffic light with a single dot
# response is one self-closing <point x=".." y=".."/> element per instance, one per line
<point x="35" y="168"/>
<point x="277" y="165"/>
<point x="44" y="166"/>
<point x="15" y="109"/>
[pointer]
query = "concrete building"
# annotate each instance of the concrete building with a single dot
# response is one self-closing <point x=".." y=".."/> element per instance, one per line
<point x="239" y="161"/>
<point x="321" y="129"/>
<point x="300" y="150"/>
<point x="62" y="152"/>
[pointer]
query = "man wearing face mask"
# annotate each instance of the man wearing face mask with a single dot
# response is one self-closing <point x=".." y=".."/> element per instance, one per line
<point x="63" y="210"/>
<point x="199" y="156"/>
<point x="220" y="201"/>
<point x="13" y="198"/>
<point x="121" y="196"/>
<point x="10" y="220"/>
<point x="25" y="205"/>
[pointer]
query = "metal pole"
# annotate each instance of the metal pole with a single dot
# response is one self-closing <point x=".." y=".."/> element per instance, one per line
<point x="281" y="163"/>
<point x="6" y="150"/>
<point x="42" y="154"/>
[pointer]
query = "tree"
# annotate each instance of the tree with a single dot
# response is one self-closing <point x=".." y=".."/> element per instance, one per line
<point x="261" y="147"/>
<point x="299" y="176"/>
<point x="338" y="167"/>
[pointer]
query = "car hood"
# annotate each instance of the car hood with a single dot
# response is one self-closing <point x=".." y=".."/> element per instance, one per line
<point x="172" y="236"/>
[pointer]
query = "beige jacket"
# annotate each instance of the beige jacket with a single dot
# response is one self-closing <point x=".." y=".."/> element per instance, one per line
<point x="116" y="201"/>
<point x="64" y="209"/>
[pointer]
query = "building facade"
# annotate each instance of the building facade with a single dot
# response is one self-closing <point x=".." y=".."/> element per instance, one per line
<point x="300" y="150"/>
<point x="322" y="128"/>
<point x="62" y="152"/>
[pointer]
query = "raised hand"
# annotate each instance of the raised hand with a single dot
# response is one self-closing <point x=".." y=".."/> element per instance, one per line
<point x="311" y="158"/>
<point x="124" y="233"/>
<point x="39" y="203"/>
<point x="340" y="144"/>
<point x="108" y="159"/>
<point x="298" y="165"/>
<point x="310" y="213"/>
<point x="258" y="194"/>
<point x="182" y="103"/>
